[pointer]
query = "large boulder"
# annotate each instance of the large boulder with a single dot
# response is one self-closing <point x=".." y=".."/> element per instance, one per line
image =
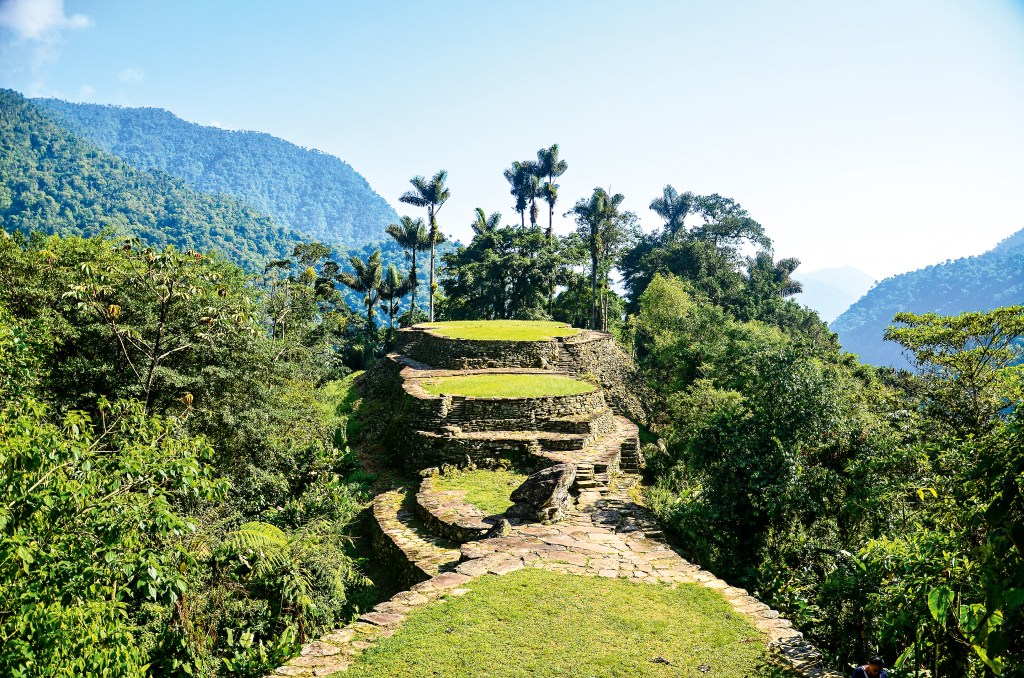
<point x="544" y="496"/>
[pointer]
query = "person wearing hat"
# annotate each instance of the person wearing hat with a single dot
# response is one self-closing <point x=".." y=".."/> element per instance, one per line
<point x="873" y="669"/>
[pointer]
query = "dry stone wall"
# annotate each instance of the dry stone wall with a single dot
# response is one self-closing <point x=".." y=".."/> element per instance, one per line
<point x="595" y="355"/>
<point x="463" y="354"/>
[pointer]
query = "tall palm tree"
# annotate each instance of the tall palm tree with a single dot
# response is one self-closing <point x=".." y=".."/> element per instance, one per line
<point x="366" y="279"/>
<point x="411" y="235"/>
<point x="674" y="207"/>
<point x="393" y="287"/>
<point x="432" y="194"/>
<point x="550" y="167"/>
<point x="485" y="224"/>
<point x="525" y="187"/>
<point x="593" y="214"/>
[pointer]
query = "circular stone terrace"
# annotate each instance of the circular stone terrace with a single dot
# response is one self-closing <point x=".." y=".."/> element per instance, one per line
<point x="505" y="385"/>
<point x="500" y="330"/>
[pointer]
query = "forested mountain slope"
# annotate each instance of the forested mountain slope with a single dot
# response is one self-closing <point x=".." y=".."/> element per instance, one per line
<point x="989" y="280"/>
<point x="314" y="193"/>
<point x="54" y="182"/>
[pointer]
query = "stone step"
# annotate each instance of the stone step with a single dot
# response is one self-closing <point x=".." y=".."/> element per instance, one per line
<point x="407" y="546"/>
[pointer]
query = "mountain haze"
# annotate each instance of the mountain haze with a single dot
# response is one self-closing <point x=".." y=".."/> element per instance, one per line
<point x="312" y="192"/>
<point x="986" y="281"/>
<point x="830" y="291"/>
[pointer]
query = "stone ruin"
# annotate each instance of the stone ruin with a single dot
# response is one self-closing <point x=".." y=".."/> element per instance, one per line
<point x="574" y="515"/>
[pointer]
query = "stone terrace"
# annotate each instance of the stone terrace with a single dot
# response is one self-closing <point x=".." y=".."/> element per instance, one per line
<point x="605" y="534"/>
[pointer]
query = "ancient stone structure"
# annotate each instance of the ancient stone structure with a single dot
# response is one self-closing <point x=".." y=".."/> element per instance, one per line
<point x="585" y="443"/>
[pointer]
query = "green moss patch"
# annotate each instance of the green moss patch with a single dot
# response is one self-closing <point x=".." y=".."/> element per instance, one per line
<point x="503" y="330"/>
<point x="503" y="385"/>
<point x="486" y="490"/>
<point x="541" y="624"/>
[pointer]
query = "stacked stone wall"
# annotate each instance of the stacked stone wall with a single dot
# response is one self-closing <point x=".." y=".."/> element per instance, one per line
<point x="463" y="354"/>
<point x="426" y="449"/>
<point x="595" y="355"/>
<point x="434" y="413"/>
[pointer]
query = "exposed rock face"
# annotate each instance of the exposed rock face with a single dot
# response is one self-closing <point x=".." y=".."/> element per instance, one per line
<point x="544" y="496"/>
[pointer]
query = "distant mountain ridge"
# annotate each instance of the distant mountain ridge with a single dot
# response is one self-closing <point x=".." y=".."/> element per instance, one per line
<point x="986" y="281"/>
<point x="53" y="182"/>
<point x="830" y="291"/>
<point x="311" y="192"/>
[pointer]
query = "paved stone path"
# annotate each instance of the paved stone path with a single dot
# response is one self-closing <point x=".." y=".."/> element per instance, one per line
<point x="605" y="535"/>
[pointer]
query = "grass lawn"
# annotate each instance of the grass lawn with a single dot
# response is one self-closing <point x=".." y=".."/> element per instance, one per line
<point x="506" y="330"/>
<point x="486" y="490"/>
<point x="507" y="385"/>
<point x="540" y="624"/>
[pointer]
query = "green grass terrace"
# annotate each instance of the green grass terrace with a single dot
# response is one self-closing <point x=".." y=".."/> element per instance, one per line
<point x="541" y="624"/>
<point x="487" y="490"/>
<point x="506" y="385"/>
<point x="501" y="330"/>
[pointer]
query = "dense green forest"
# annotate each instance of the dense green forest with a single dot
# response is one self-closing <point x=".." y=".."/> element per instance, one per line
<point x="989" y="280"/>
<point x="56" y="183"/>
<point x="305" y="190"/>
<point x="179" y="491"/>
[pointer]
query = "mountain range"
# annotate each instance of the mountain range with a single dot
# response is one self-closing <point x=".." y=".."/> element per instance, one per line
<point x="51" y="181"/>
<point x="986" y="281"/>
<point x="310" y="192"/>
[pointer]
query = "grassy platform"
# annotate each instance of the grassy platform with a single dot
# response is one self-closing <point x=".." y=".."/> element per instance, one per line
<point x="504" y="330"/>
<point x="540" y="624"/>
<point x="486" y="490"/>
<point x="499" y="385"/>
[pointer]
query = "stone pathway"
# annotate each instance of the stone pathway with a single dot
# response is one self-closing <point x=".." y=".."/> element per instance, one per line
<point x="604" y="536"/>
<point x="427" y="553"/>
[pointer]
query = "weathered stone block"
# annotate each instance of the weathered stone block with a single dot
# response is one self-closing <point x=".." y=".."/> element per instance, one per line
<point x="544" y="496"/>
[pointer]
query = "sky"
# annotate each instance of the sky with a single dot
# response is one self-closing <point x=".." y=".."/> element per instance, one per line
<point x="877" y="134"/>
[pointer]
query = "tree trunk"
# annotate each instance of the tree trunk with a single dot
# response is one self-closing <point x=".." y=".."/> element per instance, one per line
<point x="551" y="244"/>
<point x="593" y="279"/>
<point x="412" y="299"/>
<point x="433" y="239"/>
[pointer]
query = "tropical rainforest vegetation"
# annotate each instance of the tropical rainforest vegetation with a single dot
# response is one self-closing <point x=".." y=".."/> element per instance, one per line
<point x="304" y="190"/>
<point x="178" y="493"/>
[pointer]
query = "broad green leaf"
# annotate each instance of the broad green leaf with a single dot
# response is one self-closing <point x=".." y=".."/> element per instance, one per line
<point x="939" y="601"/>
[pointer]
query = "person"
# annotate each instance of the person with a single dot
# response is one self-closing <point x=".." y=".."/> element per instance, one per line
<point x="873" y="669"/>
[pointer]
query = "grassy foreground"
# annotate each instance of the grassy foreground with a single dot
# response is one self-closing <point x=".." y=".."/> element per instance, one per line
<point x="541" y="624"/>
<point x="507" y="385"/>
<point x="505" y="330"/>
<point x="486" y="490"/>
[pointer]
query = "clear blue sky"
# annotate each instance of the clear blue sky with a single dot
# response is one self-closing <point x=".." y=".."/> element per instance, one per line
<point x="878" y="134"/>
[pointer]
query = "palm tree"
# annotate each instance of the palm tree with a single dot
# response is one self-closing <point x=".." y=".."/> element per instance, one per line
<point x="550" y="167"/>
<point x="432" y="194"/>
<point x="366" y="279"/>
<point x="593" y="215"/>
<point x="525" y="186"/>
<point x="674" y="207"/>
<point x="485" y="224"/>
<point x="393" y="287"/>
<point x="411" y="235"/>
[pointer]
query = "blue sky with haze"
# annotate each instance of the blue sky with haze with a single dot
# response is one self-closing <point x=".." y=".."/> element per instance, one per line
<point x="882" y="135"/>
